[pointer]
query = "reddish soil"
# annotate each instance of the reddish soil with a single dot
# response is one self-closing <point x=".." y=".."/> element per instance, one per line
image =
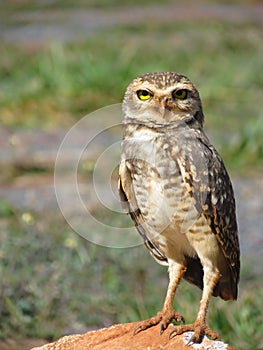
<point x="121" y="337"/>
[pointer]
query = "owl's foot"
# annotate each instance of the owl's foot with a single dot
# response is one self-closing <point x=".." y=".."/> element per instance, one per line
<point x="164" y="318"/>
<point x="199" y="328"/>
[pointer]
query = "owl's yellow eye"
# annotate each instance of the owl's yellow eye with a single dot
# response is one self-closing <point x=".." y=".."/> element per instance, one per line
<point x="144" y="95"/>
<point x="180" y="94"/>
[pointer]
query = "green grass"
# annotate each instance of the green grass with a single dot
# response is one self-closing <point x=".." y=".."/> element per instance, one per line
<point x="54" y="282"/>
<point x="55" y="87"/>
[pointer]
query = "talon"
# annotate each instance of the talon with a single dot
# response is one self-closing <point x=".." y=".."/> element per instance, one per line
<point x="199" y="329"/>
<point x="212" y="334"/>
<point x="172" y="332"/>
<point x="137" y="329"/>
<point x="163" y="318"/>
<point x="162" y="328"/>
<point x="191" y="340"/>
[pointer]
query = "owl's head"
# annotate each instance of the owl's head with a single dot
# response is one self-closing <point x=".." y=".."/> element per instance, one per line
<point x="163" y="98"/>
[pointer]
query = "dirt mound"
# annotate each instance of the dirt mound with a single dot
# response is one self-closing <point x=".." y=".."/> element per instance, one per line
<point x="121" y="336"/>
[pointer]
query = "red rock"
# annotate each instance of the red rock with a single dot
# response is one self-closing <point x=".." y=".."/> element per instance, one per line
<point x="121" y="336"/>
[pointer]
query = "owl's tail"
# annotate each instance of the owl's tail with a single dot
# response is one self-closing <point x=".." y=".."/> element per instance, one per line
<point x="225" y="288"/>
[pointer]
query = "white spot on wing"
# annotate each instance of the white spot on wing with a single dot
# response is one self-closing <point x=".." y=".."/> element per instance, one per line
<point x="214" y="199"/>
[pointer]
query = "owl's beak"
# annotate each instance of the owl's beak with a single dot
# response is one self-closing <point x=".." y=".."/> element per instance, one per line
<point x="163" y="107"/>
<point x="163" y="104"/>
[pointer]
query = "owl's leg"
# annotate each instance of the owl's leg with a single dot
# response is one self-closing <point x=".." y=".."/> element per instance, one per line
<point x="167" y="315"/>
<point x="199" y="327"/>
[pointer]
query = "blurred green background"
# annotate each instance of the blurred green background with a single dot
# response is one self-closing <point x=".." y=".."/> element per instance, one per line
<point x="61" y="60"/>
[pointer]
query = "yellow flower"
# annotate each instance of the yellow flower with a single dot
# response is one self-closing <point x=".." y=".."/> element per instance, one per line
<point x="28" y="218"/>
<point x="70" y="243"/>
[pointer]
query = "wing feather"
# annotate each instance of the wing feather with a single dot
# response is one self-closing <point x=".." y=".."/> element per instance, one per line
<point x="214" y="197"/>
<point x="129" y="204"/>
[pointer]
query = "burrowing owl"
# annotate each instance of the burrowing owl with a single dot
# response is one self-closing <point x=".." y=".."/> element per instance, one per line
<point x="177" y="191"/>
